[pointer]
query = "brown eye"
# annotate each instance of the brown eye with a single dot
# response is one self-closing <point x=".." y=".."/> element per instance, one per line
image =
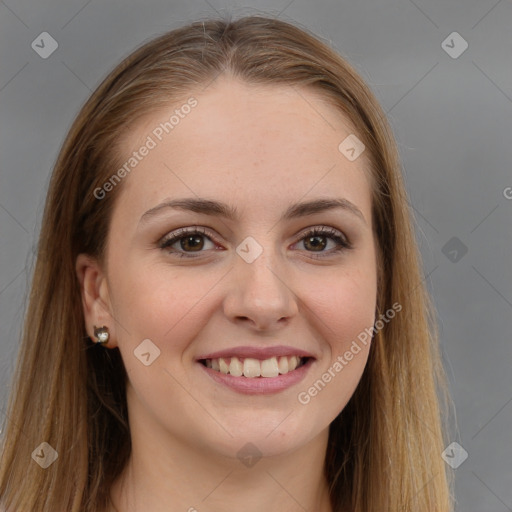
<point x="317" y="240"/>
<point x="316" y="243"/>
<point x="194" y="243"/>
<point x="185" y="241"/>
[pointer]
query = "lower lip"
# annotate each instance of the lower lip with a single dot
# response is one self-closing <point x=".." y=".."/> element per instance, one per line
<point x="260" y="385"/>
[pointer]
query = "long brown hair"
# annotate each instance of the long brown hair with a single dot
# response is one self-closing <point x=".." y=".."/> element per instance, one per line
<point x="384" y="451"/>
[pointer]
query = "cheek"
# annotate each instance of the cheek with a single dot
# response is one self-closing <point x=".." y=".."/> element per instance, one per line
<point x="345" y="314"/>
<point x="168" y="306"/>
<point x="154" y="297"/>
<point x="345" y="303"/>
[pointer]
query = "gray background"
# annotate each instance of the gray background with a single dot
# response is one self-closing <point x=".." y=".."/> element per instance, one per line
<point x="453" y="121"/>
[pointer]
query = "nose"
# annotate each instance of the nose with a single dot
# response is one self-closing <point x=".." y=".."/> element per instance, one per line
<point x="260" y="294"/>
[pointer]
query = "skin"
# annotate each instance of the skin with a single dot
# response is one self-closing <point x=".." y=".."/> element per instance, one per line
<point x="259" y="149"/>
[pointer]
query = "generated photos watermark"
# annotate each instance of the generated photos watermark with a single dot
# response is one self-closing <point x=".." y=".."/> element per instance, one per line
<point x="341" y="361"/>
<point x="151" y="142"/>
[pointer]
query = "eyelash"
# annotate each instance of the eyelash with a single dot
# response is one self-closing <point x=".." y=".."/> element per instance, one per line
<point x="343" y="243"/>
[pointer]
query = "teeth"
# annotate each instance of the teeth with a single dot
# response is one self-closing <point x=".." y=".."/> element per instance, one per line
<point x="252" y="368"/>
<point x="269" y="367"/>
<point x="283" y="365"/>
<point x="236" y="368"/>
<point x="293" y="363"/>
<point x="224" y="366"/>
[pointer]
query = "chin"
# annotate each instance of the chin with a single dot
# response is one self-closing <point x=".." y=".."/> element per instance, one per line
<point x="262" y="440"/>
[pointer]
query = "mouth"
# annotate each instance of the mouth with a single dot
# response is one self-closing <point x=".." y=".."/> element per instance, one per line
<point x="252" y="368"/>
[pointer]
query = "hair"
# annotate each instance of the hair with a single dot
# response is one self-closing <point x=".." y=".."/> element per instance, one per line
<point x="384" y="448"/>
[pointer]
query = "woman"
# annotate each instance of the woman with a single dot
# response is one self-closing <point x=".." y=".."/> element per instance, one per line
<point x="227" y="310"/>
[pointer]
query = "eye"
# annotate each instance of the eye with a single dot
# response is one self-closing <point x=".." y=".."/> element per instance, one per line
<point x="316" y="239"/>
<point x="189" y="240"/>
<point x="192" y="240"/>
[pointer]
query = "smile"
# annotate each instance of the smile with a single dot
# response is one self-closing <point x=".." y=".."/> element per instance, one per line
<point x="253" y="368"/>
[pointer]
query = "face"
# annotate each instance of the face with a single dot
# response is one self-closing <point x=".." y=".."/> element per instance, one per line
<point x="267" y="285"/>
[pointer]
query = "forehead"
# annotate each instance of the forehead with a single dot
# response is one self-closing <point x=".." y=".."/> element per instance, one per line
<point x="272" y="140"/>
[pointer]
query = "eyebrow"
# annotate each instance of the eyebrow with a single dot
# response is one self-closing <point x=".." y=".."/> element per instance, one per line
<point x="218" y="209"/>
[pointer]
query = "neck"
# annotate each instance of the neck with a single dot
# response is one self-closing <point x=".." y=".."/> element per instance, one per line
<point x="192" y="479"/>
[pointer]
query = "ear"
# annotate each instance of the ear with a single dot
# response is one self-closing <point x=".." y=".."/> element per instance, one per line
<point x="95" y="297"/>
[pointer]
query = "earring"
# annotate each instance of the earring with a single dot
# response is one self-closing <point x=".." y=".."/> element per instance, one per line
<point x="101" y="334"/>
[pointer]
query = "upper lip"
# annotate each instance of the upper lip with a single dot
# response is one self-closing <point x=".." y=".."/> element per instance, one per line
<point x="256" y="352"/>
